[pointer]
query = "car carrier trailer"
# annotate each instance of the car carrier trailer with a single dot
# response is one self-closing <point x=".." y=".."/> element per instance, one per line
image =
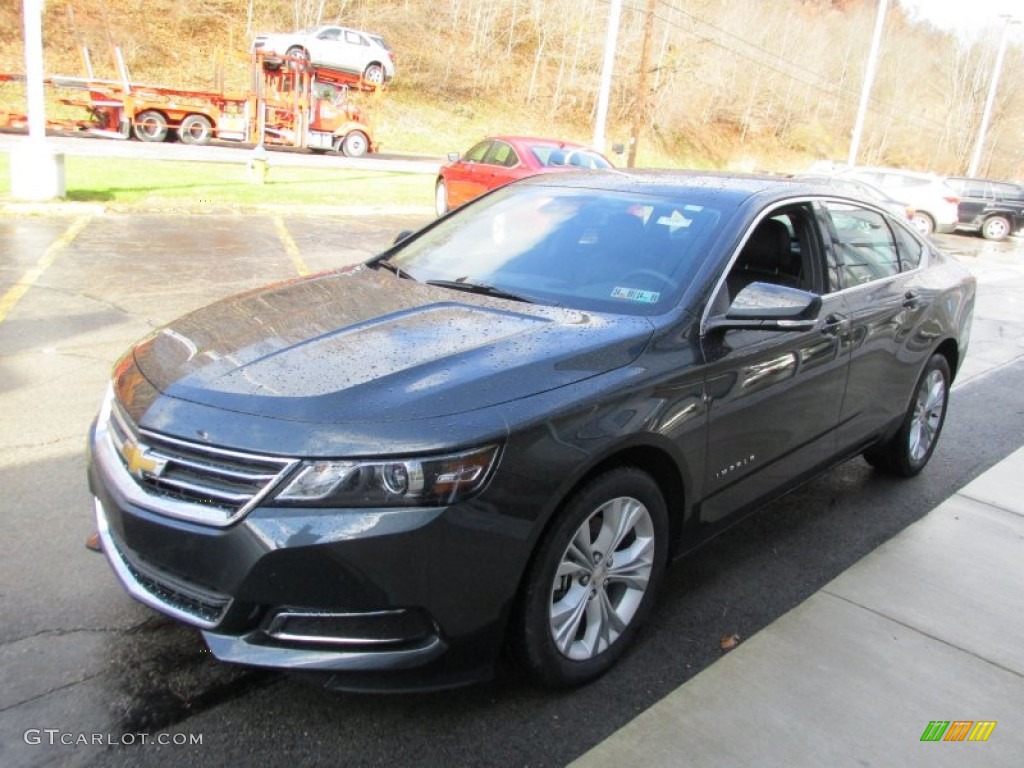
<point x="286" y="105"/>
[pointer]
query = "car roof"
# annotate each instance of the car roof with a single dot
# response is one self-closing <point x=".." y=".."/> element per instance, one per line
<point x="735" y="187"/>
<point x="537" y="140"/>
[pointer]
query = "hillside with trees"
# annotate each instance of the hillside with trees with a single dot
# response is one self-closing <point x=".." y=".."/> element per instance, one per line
<point x="740" y="84"/>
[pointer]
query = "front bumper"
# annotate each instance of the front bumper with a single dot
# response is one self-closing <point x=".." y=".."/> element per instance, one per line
<point x="372" y="596"/>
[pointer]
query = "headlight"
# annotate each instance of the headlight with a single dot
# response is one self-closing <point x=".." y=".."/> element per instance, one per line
<point x="394" y="482"/>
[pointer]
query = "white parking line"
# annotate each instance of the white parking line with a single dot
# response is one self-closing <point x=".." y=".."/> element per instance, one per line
<point x="21" y="287"/>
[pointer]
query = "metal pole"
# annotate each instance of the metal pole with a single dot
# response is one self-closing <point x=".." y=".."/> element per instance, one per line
<point x="869" y="79"/>
<point x="606" y="74"/>
<point x="979" y="144"/>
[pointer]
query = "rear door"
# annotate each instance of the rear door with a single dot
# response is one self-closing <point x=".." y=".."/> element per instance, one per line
<point x="887" y="297"/>
<point x="775" y="396"/>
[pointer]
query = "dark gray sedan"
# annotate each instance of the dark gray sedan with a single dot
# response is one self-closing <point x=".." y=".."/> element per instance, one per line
<point x="498" y="433"/>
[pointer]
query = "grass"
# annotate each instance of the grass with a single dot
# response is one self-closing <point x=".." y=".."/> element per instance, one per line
<point x="174" y="184"/>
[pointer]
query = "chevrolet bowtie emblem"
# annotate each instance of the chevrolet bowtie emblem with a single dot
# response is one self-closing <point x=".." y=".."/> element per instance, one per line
<point x="139" y="462"/>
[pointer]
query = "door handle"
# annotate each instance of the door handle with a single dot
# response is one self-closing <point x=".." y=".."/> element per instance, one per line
<point x="911" y="300"/>
<point x="834" y="325"/>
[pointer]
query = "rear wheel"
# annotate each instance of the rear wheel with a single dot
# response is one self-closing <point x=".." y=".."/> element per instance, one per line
<point x="150" y="126"/>
<point x="923" y="223"/>
<point x="907" y="452"/>
<point x="996" y="228"/>
<point x="300" y="58"/>
<point x="441" y="198"/>
<point x="593" y="578"/>
<point x="195" y="129"/>
<point x="374" y="74"/>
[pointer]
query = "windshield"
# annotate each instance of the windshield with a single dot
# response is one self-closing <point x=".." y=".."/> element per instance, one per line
<point x="587" y="249"/>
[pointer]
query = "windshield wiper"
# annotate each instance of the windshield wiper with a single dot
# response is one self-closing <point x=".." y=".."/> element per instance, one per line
<point x="481" y="288"/>
<point x="392" y="267"/>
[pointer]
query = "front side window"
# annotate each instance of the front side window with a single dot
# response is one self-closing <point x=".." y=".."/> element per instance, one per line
<point x="502" y="154"/>
<point x="780" y="250"/>
<point x="476" y="154"/>
<point x="864" y="244"/>
<point x="604" y="251"/>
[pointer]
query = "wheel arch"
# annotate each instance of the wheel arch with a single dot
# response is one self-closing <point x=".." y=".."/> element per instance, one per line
<point x="950" y="350"/>
<point x="656" y="460"/>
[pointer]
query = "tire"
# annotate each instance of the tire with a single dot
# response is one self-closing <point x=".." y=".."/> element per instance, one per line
<point x="907" y="452"/>
<point x="355" y="144"/>
<point x="300" y="53"/>
<point x="374" y="74"/>
<point x="923" y="223"/>
<point x="593" y="578"/>
<point x="150" y="126"/>
<point x="441" y="197"/>
<point x="996" y="228"/>
<point x="195" y="129"/>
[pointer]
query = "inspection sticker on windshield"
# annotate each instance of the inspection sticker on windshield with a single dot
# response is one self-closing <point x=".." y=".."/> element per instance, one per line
<point x="634" y="294"/>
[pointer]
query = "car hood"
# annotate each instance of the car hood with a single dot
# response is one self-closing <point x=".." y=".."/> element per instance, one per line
<point x="364" y="345"/>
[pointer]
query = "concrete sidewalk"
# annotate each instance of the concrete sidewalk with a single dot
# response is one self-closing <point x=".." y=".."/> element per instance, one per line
<point x="928" y="627"/>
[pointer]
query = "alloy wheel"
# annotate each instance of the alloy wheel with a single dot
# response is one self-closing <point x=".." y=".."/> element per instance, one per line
<point x="601" y="578"/>
<point x="927" y="418"/>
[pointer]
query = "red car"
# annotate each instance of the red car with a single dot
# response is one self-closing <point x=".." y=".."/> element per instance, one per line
<point x="498" y="160"/>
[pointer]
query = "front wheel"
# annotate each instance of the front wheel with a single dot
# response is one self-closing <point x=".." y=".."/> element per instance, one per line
<point x="996" y="228"/>
<point x="907" y="452"/>
<point x="593" y="578"/>
<point x="355" y="144"/>
<point x="441" y="198"/>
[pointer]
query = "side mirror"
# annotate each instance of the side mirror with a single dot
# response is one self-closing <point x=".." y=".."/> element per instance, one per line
<point x="453" y="156"/>
<point x="618" y="148"/>
<point x="769" y="307"/>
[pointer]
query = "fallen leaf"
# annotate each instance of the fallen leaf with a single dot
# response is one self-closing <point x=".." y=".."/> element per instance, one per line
<point x="729" y="642"/>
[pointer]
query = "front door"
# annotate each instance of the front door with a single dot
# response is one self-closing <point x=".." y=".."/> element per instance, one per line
<point x="775" y="396"/>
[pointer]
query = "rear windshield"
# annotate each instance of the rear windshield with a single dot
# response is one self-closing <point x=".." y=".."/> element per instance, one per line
<point x="579" y="158"/>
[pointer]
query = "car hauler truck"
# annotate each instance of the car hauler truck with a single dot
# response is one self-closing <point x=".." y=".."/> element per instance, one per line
<point x="287" y="104"/>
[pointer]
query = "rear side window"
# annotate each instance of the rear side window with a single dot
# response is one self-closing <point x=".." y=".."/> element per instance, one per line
<point x="909" y="247"/>
<point x="865" y="247"/>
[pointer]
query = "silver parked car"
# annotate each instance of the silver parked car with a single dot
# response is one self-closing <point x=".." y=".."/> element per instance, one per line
<point x="863" y="188"/>
<point x="934" y="202"/>
<point x="348" y="50"/>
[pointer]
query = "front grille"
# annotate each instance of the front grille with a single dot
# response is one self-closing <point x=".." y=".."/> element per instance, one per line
<point x="193" y="481"/>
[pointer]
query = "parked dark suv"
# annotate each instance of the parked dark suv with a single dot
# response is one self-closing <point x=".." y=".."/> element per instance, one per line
<point x="994" y="208"/>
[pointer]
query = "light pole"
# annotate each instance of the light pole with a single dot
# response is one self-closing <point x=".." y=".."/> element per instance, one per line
<point x="611" y="38"/>
<point x="979" y="144"/>
<point x="869" y="79"/>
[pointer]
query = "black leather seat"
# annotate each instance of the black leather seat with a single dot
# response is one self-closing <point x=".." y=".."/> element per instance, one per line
<point x="767" y="257"/>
